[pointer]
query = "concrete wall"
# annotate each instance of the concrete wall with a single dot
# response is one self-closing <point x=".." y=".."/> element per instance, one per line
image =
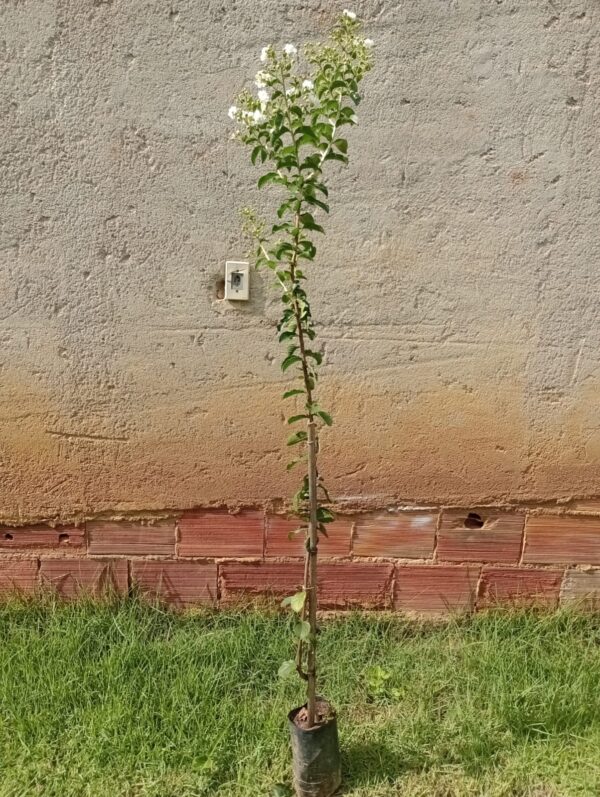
<point x="458" y="302"/>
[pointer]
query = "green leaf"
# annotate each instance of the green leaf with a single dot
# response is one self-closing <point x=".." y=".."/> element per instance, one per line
<point x="258" y="150"/>
<point x="312" y="162"/>
<point x="341" y="144"/>
<point x="316" y="356"/>
<point x="290" y="360"/>
<point x="304" y="141"/>
<point x="325" y="515"/>
<point x="287" y="335"/>
<point x="294" y="392"/>
<point x="326" y="130"/>
<point x="296" y="418"/>
<point x="334" y="156"/>
<point x="269" y="177"/>
<point x="325" y="417"/>
<point x="282" y="249"/>
<point x="301" y="629"/>
<point x="297" y="437"/>
<point x="305" y="130"/>
<point x="312" y="200"/>
<point x="286" y="225"/>
<point x="286" y="669"/>
<point x="295" y="602"/>
<point x="322" y="188"/>
<point x="307" y="250"/>
<point x="308" y="221"/>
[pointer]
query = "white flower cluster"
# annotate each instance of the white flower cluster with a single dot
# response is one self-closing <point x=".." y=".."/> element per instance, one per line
<point x="249" y="117"/>
<point x="261" y="79"/>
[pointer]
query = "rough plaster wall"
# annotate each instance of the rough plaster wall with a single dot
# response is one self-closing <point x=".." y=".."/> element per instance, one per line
<point x="458" y="305"/>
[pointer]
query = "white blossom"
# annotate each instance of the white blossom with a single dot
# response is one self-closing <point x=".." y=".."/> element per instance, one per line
<point x="291" y="91"/>
<point x="264" y="97"/>
<point x="258" y="116"/>
<point x="308" y="85"/>
<point x="232" y="112"/>
<point x="368" y="43"/>
<point x="290" y="50"/>
<point x="261" y="79"/>
<point x="264" y="54"/>
<point x="349" y="14"/>
<point x="248" y="115"/>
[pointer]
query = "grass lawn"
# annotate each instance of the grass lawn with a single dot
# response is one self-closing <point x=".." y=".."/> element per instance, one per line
<point x="127" y="700"/>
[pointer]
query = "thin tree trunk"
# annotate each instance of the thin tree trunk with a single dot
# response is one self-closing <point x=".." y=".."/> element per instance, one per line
<point x="311" y="553"/>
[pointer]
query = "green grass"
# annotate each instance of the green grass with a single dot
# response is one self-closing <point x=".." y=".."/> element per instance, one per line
<point x="128" y="700"/>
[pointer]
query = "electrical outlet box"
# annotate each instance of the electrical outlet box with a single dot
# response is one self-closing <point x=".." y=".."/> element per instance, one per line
<point x="237" y="281"/>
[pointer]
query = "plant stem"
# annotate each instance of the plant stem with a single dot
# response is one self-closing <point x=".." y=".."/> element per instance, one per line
<point x="310" y="570"/>
<point x="311" y="553"/>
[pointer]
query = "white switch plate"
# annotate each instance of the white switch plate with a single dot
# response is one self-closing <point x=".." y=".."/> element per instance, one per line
<point x="237" y="281"/>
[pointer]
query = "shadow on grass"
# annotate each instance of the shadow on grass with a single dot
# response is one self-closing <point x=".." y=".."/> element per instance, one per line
<point x="369" y="764"/>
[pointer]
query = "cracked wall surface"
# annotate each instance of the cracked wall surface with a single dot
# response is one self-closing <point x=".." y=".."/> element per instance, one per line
<point x="458" y="294"/>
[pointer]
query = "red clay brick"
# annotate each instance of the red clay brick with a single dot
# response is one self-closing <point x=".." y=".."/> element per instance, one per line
<point x="519" y="587"/>
<point x="355" y="583"/>
<point x="337" y="542"/>
<point x="217" y="533"/>
<point x="340" y="584"/>
<point x="498" y="540"/>
<point x="179" y="583"/>
<point x="259" y="578"/>
<point x="73" y="577"/>
<point x="124" y="538"/>
<point x="409" y="535"/>
<point x="582" y="588"/>
<point x="18" y="575"/>
<point x="560" y="539"/>
<point x="436" y="589"/>
<point x="35" y="537"/>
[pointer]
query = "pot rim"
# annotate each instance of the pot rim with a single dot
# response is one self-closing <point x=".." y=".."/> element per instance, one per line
<point x="330" y="721"/>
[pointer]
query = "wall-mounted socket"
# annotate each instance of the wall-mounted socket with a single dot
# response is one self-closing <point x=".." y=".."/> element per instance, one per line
<point x="237" y="281"/>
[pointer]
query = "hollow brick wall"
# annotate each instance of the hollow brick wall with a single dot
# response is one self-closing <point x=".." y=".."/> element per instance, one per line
<point x="427" y="561"/>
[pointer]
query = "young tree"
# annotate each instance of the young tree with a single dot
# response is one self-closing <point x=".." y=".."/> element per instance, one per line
<point x="295" y="127"/>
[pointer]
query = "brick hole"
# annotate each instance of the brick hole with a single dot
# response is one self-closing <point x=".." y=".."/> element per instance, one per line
<point x="8" y="536"/>
<point x="474" y="521"/>
<point x="63" y="538"/>
<point x="220" y="288"/>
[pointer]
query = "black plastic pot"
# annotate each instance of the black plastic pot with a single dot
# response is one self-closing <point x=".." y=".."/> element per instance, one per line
<point x="315" y="757"/>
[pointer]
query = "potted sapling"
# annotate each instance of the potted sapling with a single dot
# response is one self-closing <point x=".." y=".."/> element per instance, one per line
<point x="294" y="125"/>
